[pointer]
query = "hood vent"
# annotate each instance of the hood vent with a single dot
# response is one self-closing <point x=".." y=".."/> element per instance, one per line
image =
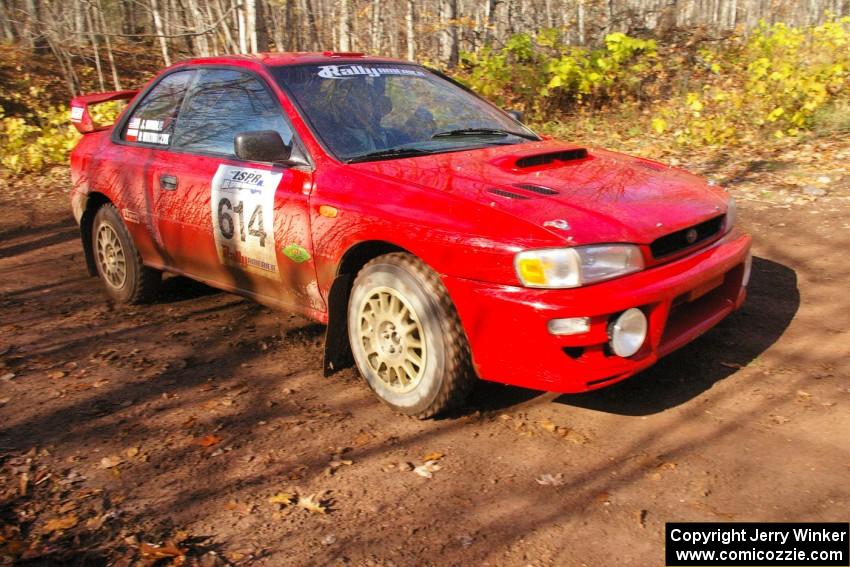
<point x="551" y="157"/>
<point x="509" y="194"/>
<point x="539" y="189"/>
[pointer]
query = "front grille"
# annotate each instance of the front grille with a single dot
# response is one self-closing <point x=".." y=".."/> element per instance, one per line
<point x="678" y="241"/>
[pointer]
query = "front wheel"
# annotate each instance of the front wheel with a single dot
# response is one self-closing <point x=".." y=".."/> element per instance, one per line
<point x="406" y="337"/>
<point x="119" y="265"/>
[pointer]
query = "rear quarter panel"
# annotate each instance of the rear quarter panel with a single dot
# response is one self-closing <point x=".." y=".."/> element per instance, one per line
<point x="122" y="174"/>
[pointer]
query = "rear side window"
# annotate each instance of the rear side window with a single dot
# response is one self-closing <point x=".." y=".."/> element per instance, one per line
<point x="223" y="103"/>
<point x="153" y="120"/>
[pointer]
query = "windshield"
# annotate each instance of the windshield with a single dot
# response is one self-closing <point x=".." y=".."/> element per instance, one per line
<point x="381" y="111"/>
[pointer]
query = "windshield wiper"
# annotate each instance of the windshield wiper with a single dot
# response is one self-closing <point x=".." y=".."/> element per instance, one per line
<point x="389" y="153"/>
<point x="482" y="132"/>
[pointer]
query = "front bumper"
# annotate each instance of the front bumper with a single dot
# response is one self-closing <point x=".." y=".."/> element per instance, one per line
<point x="507" y="325"/>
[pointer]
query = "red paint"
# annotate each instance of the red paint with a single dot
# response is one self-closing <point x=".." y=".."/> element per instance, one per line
<point x="439" y="208"/>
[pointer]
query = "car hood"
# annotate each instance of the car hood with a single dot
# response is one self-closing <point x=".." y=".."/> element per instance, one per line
<point x="581" y="195"/>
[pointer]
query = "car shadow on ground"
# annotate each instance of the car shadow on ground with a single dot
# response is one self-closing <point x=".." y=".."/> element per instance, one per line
<point x="180" y="288"/>
<point x="772" y="303"/>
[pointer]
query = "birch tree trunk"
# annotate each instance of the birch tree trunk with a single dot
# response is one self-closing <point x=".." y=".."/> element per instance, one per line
<point x="375" y="31"/>
<point x="160" y="31"/>
<point x="251" y="25"/>
<point x="95" y="50"/>
<point x="344" y="26"/>
<point x="8" y="30"/>
<point x="410" y="20"/>
<point x="580" y="22"/>
<point x="116" y="81"/>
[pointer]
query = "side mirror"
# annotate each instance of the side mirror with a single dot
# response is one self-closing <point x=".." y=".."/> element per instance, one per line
<point x="262" y="145"/>
<point x="516" y="115"/>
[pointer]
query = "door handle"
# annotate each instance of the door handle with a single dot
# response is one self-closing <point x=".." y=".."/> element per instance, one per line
<point x="167" y="182"/>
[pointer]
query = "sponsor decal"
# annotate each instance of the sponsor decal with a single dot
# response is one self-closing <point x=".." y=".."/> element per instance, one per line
<point x="345" y="71"/>
<point x="296" y="253"/>
<point x="155" y="125"/>
<point x="129" y="215"/>
<point x="243" y="218"/>
<point x="147" y="131"/>
<point x="152" y="137"/>
<point x="560" y="224"/>
<point x="77" y="113"/>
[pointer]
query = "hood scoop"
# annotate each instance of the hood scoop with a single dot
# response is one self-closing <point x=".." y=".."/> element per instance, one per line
<point x="551" y="158"/>
<point x="508" y="194"/>
<point x="529" y="187"/>
<point x="539" y="189"/>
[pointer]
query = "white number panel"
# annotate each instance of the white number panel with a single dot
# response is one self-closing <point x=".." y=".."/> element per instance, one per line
<point x="243" y="218"/>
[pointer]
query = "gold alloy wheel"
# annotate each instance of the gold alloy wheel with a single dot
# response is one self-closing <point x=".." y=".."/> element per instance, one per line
<point x="110" y="256"/>
<point x="392" y="339"/>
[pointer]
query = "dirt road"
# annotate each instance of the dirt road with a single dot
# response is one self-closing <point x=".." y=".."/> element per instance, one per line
<point x="177" y="422"/>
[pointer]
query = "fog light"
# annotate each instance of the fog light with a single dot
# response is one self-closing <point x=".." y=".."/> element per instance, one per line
<point x="628" y="332"/>
<point x="748" y="268"/>
<point x="571" y="326"/>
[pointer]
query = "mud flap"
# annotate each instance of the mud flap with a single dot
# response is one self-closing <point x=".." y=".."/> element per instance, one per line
<point x="337" y="348"/>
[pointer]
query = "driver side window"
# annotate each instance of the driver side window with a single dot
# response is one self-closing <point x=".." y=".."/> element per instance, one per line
<point x="223" y="103"/>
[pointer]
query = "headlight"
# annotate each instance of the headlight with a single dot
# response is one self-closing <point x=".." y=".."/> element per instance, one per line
<point x="731" y="215"/>
<point x="574" y="267"/>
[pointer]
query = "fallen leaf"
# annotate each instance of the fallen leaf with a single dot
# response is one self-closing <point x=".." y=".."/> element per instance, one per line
<point x="110" y="462"/>
<point x="56" y="374"/>
<point x="4" y="401"/>
<point x="61" y="524"/>
<point x="131" y="452"/>
<point x="548" y="425"/>
<point x="208" y="441"/>
<point x="69" y="506"/>
<point x="161" y="551"/>
<point x="604" y="498"/>
<point x="312" y="503"/>
<point x="433" y="456"/>
<point x="243" y="508"/>
<point x="8" y="376"/>
<point x="551" y="480"/>
<point x="282" y="498"/>
<point x="427" y="469"/>
<point x="362" y="438"/>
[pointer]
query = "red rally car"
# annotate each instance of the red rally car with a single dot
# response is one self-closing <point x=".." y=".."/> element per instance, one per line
<point x="437" y="237"/>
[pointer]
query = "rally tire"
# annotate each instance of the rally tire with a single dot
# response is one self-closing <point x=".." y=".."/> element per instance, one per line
<point x="401" y="288"/>
<point x="119" y="265"/>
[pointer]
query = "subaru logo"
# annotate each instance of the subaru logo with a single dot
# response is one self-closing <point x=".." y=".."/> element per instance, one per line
<point x="691" y="236"/>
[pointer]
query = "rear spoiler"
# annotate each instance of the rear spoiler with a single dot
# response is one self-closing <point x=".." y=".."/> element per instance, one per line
<point x="82" y="118"/>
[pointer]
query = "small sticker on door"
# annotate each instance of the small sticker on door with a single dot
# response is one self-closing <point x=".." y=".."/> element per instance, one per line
<point x="243" y="218"/>
<point x="296" y="253"/>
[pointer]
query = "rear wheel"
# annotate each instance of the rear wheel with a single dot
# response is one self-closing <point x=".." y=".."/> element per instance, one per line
<point x="119" y="265"/>
<point x="406" y="337"/>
